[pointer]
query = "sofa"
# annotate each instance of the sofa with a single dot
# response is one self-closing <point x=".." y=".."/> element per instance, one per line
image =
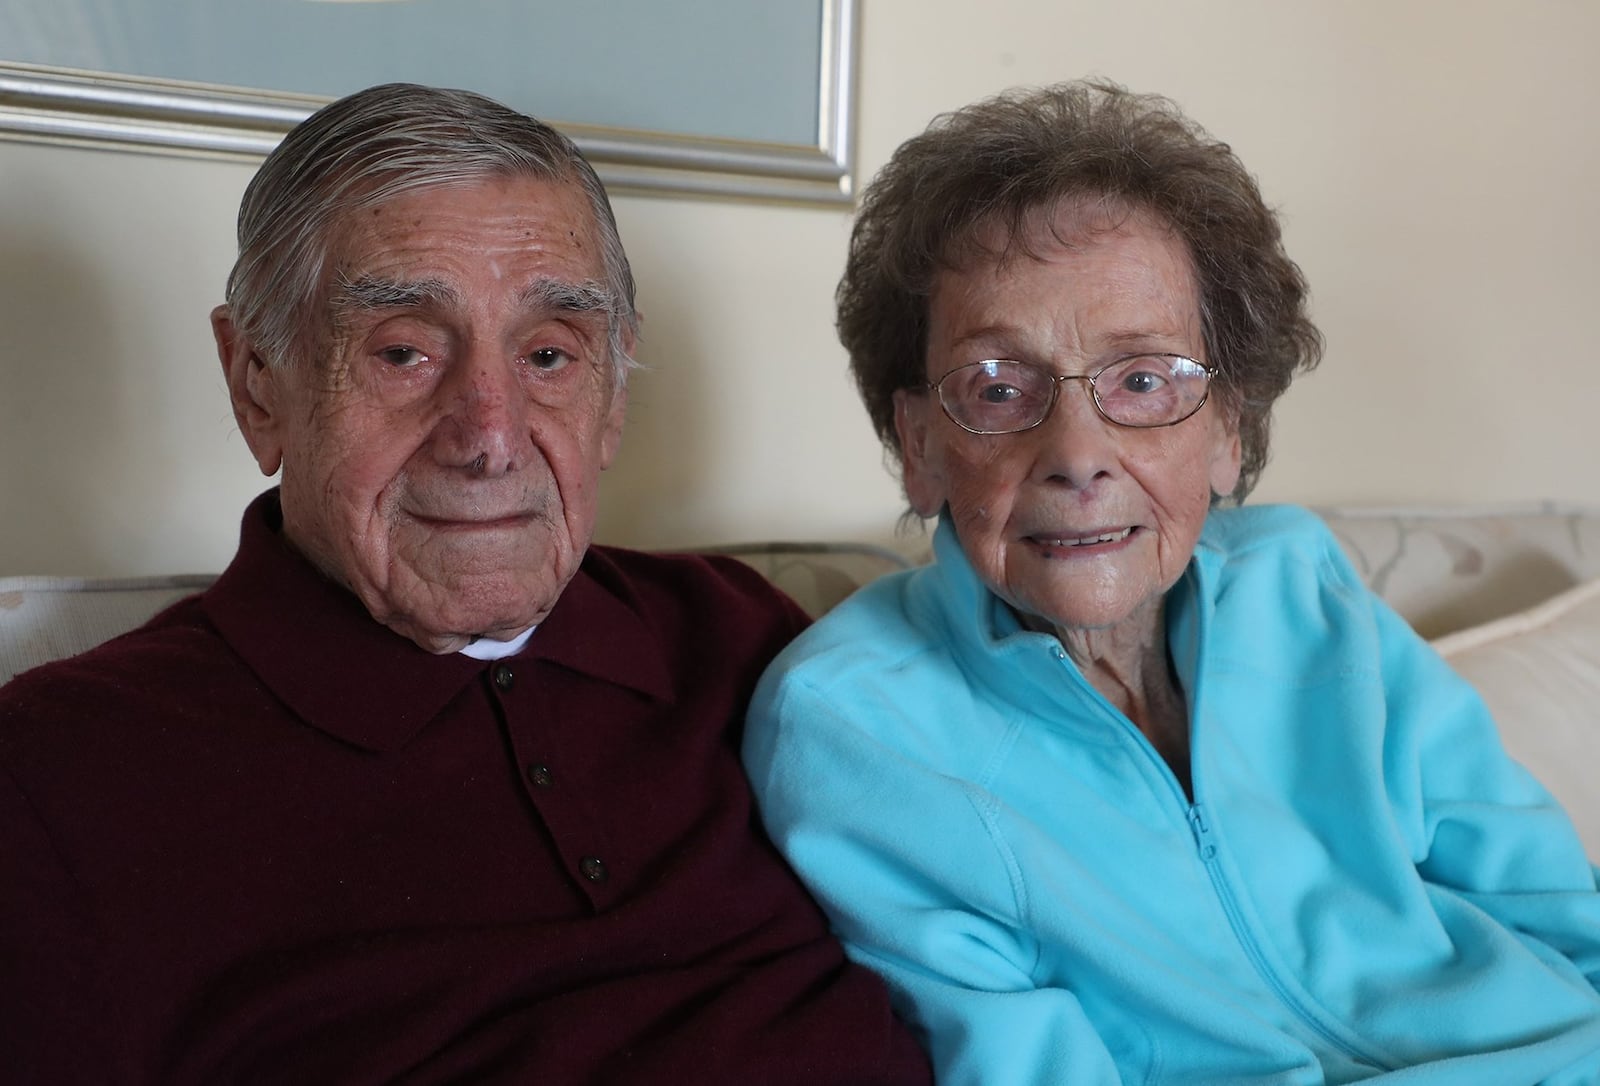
<point x="1509" y="595"/>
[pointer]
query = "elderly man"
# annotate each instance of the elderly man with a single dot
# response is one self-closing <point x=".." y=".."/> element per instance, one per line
<point x="425" y="788"/>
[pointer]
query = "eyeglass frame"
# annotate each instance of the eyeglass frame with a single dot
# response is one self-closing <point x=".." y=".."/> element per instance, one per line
<point x="1058" y="379"/>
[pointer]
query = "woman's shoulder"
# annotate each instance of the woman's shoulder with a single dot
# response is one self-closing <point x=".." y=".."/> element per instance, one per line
<point x="1277" y="576"/>
<point x="1254" y="538"/>
<point x="1238" y="529"/>
<point x="878" y="665"/>
<point x="872" y="631"/>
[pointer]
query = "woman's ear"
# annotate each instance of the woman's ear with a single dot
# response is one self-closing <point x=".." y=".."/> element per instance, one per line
<point x="1226" y="453"/>
<point x="920" y="470"/>
<point x="253" y="388"/>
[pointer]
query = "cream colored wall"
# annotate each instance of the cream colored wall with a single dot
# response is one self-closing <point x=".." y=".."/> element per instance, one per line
<point x="1435" y="163"/>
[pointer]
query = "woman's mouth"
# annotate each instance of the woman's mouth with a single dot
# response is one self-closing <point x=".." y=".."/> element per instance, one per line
<point x="1106" y="538"/>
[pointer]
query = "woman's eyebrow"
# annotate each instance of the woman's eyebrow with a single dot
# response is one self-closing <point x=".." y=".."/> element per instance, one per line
<point x="1144" y="338"/>
<point x="988" y="334"/>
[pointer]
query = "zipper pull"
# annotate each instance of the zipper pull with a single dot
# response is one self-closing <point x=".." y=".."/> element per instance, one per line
<point x="1202" y="833"/>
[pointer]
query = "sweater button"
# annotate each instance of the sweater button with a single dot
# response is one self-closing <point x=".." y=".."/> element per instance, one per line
<point x="539" y="775"/>
<point x="502" y="675"/>
<point x="593" y="868"/>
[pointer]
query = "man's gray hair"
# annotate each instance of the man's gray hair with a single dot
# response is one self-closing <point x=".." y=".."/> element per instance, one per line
<point x="366" y="149"/>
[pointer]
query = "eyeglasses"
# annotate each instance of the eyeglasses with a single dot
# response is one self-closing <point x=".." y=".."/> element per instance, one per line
<point x="1143" y="391"/>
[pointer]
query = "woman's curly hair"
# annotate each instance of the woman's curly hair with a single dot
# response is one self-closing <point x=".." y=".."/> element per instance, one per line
<point x="1000" y="162"/>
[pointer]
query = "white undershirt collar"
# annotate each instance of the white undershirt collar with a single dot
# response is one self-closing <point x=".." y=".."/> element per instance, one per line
<point x="487" y="648"/>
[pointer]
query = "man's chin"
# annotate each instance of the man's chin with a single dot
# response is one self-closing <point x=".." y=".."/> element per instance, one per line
<point x="454" y="598"/>
<point x="498" y="609"/>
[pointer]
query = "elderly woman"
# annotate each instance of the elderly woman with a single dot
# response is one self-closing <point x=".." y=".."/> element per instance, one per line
<point x="1130" y="786"/>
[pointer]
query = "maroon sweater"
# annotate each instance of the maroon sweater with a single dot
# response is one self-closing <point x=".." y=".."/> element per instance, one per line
<point x="264" y="839"/>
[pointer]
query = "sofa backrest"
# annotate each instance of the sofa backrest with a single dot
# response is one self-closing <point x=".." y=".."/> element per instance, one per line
<point x="1442" y="569"/>
<point x="1448" y="569"/>
<point x="47" y="618"/>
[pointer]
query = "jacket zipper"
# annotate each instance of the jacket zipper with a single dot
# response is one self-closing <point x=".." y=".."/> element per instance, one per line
<point x="1207" y="848"/>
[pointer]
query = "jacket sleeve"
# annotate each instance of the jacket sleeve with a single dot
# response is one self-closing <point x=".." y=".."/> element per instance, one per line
<point x="1476" y="821"/>
<point x="919" y="887"/>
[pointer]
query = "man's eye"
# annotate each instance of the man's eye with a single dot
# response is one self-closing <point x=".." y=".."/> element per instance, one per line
<point x="548" y="359"/>
<point x="402" y="357"/>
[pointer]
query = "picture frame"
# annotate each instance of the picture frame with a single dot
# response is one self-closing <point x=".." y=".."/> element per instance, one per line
<point x="790" y="141"/>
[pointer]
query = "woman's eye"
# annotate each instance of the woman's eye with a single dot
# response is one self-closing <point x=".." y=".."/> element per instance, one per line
<point x="402" y="357"/>
<point x="548" y="359"/>
<point x="998" y="393"/>
<point x="1143" y="382"/>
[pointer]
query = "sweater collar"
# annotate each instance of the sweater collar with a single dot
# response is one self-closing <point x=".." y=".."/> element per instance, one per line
<point x="313" y="644"/>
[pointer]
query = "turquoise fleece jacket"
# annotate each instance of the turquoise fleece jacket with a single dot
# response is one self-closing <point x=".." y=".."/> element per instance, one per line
<point x="1365" y="887"/>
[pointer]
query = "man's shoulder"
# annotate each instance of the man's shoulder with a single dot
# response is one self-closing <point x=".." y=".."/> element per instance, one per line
<point x="170" y="639"/>
<point x="157" y="668"/>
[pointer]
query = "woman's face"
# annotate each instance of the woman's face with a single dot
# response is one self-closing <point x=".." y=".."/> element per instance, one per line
<point x="1078" y="522"/>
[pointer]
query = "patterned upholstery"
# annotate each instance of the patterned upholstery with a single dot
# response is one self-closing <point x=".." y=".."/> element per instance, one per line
<point x="816" y="575"/>
<point x="1448" y="569"/>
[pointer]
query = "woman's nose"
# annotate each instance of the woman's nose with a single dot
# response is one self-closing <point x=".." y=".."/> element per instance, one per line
<point x="1075" y="444"/>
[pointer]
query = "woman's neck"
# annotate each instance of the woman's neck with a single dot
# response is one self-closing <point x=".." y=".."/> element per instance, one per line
<point x="1131" y="668"/>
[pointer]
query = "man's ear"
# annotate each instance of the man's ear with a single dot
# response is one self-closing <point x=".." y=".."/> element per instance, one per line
<point x="919" y="468"/>
<point x="254" y="390"/>
<point x="611" y="436"/>
<point x="617" y="413"/>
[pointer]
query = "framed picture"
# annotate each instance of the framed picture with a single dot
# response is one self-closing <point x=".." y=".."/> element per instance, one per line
<point x="717" y="97"/>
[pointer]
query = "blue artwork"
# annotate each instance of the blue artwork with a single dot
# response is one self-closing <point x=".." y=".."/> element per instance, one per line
<point x="728" y="73"/>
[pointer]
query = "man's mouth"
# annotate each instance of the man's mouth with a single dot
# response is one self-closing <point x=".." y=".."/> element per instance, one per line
<point x="473" y="520"/>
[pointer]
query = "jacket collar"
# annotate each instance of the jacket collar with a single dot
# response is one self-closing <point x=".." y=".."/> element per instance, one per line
<point x="315" y="647"/>
<point x="1024" y="667"/>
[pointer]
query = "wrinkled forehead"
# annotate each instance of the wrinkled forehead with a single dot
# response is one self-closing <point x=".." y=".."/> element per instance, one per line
<point x="1088" y="277"/>
<point x="555" y="211"/>
<point x="368" y="252"/>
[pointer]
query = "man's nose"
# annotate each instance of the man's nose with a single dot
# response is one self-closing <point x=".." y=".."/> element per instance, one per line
<point x="484" y="424"/>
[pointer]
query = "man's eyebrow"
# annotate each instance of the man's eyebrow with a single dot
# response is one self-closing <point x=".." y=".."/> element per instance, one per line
<point x="371" y="292"/>
<point x="565" y="296"/>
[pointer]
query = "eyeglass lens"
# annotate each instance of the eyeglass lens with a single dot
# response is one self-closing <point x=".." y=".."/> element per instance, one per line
<point x="1002" y="397"/>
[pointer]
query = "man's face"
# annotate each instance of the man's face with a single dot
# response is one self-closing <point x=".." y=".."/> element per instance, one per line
<point x="442" y="448"/>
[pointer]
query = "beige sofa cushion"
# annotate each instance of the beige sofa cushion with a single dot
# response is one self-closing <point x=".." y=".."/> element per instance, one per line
<point x="1539" y="672"/>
